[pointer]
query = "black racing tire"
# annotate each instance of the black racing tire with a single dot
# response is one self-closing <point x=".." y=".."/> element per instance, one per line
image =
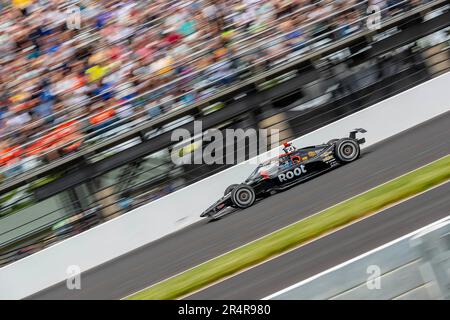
<point x="229" y="189"/>
<point x="347" y="150"/>
<point x="243" y="196"/>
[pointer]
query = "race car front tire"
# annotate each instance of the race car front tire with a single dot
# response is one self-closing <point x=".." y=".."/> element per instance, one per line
<point x="347" y="150"/>
<point x="243" y="196"/>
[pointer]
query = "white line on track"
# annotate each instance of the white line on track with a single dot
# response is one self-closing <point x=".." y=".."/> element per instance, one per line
<point x="289" y="225"/>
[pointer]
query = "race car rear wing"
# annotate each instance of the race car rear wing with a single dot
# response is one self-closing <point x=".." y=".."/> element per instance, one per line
<point x="354" y="132"/>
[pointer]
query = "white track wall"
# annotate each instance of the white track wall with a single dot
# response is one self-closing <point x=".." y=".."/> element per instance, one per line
<point x="182" y="208"/>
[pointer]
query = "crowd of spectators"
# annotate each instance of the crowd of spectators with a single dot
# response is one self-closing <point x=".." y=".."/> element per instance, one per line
<point x="132" y="60"/>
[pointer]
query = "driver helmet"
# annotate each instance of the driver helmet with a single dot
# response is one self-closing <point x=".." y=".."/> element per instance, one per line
<point x="288" y="147"/>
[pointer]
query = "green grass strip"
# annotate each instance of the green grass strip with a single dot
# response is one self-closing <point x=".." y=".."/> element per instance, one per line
<point x="300" y="232"/>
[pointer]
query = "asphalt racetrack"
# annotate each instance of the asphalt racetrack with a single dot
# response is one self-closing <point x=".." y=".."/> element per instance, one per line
<point x="333" y="249"/>
<point x="205" y="240"/>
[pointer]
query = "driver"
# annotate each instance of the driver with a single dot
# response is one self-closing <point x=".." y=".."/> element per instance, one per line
<point x="286" y="160"/>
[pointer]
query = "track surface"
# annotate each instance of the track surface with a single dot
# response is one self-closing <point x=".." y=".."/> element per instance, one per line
<point x="333" y="249"/>
<point x="202" y="241"/>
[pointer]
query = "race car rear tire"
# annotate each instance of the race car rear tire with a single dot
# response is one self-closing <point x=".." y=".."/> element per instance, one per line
<point x="229" y="189"/>
<point x="347" y="150"/>
<point x="243" y="196"/>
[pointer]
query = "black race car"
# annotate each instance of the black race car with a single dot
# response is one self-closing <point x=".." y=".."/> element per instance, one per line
<point x="288" y="169"/>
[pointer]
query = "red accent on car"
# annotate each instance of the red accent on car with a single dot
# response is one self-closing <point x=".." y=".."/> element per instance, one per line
<point x="264" y="174"/>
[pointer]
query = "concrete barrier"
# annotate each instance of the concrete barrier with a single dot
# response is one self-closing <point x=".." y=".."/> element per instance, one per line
<point x="178" y="210"/>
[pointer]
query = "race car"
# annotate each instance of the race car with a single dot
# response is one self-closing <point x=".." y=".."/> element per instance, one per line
<point x="288" y="169"/>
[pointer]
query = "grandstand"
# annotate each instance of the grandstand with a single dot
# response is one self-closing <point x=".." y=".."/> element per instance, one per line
<point x="132" y="62"/>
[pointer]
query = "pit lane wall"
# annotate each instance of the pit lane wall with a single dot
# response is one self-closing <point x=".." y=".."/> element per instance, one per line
<point x="182" y="208"/>
<point x="413" y="267"/>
